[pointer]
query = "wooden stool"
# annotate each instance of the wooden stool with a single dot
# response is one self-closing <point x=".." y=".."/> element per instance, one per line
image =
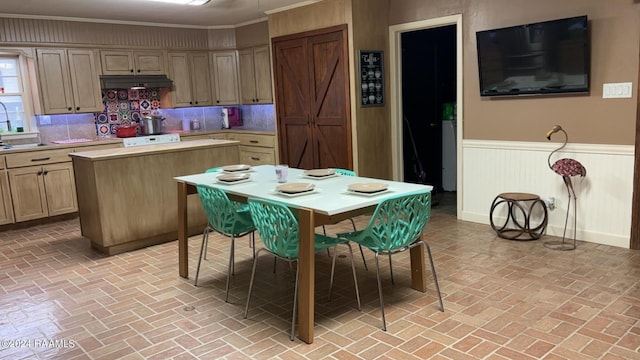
<point x="519" y="228"/>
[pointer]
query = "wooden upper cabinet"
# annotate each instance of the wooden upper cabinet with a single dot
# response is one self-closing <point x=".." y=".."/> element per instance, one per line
<point x="123" y="62"/>
<point x="69" y="81"/>
<point x="225" y="77"/>
<point x="255" y="75"/>
<point x="191" y="79"/>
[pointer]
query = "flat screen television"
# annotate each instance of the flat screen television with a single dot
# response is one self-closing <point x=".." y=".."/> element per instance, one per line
<point x="550" y="57"/>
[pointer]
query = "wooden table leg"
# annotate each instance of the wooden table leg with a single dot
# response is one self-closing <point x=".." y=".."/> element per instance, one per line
<point x="418" y="269"/>
<point x="183" y="250"/>
<point x="306" y="273"/>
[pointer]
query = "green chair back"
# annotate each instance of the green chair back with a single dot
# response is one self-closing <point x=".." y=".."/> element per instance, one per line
<point x="396" y="223"/>
<point x="224" y="215"/>
<point x="277" y="226"/>
<point x="345" y="172"/>
<point x="213" y="169"/>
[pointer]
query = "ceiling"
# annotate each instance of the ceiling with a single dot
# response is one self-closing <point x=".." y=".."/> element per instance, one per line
<point x="215" y="13"/>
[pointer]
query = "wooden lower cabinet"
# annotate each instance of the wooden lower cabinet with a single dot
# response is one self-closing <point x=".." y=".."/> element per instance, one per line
<point x="42" y="191"/>
<point x="255" y="149"/>
<point x="6" y="206"/>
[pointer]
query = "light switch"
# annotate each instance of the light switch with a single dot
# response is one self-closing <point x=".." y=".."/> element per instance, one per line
<point x="617" y="90"/>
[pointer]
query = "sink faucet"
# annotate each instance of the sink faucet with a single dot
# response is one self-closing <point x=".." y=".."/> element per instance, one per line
<point x="7" y="116"/>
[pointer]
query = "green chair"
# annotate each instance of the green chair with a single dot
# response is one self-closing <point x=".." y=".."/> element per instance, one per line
<point x="240" y="206"/>
<point x="346" y="172"/>
<point x="226" y="217"/>
<point x="279" y="228"/>
<point x="396" y="226"/>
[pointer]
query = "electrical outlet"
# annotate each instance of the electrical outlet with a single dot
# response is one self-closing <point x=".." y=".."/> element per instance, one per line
<point x="551" y="203"/>
<point x="45" y="120"/>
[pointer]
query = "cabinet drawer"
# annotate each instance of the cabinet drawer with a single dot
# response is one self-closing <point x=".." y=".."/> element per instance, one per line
<point x="195" y="137"/>
<point x="253" y="155"/>
<point x="254" y="139"/>
<point x="98" y="147"/>
<point x="38" y="157"/>
<point x="2" y="162"/>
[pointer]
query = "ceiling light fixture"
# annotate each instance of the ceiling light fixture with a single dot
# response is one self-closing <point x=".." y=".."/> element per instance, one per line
<point x="184" y="2"/>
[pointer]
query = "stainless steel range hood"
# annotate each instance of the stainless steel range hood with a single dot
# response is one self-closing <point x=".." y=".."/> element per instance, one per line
<point x="134" y="81"/>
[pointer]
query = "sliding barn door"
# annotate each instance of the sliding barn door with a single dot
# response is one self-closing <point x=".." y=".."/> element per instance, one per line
<point x="312" y="99"/>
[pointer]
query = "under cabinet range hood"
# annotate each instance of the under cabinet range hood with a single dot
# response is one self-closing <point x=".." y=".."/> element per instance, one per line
<point x="134" y="81"/>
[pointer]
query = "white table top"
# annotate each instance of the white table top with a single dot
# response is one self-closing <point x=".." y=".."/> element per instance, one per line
<point x="329" y="197"/>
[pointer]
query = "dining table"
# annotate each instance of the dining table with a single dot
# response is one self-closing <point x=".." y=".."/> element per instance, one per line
<point x="330" y="201"/>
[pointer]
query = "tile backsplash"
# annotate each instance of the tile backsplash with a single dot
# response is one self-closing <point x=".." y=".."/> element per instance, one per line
<point x="124" y="107"/>
<point x="127" y="106"/>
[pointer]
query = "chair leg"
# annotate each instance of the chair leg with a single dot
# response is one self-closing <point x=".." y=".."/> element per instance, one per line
<point x="333" y="268"/>
<point x="203" y="246"/>
<point x="391" y="268"/>
<point x="253" y="275"/>
<point x="384" y="321"/>
<point x="435" y="277"/>
<point x="295" y="305"/>
<point x="230" y="268"/>
<point x="353" y="269"/>
<point x="355" y="279"/>
<point x="253" y="243"/>
<point x="206" y="241"/>
<point x="324" y="231"/>
<point x="363" y="260"/>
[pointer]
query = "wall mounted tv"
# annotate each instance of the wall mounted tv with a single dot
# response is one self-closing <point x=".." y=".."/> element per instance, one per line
<point x="550" y="57"/>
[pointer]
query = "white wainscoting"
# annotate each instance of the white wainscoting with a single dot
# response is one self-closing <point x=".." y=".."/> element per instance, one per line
<point x="604" y="195"/>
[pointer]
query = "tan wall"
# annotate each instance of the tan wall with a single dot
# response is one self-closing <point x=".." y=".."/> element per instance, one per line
<point x="370" y="32"/>
<point x="315" y="16"/>
<point x="252" y="35"/>
<point x="615" y="37"/>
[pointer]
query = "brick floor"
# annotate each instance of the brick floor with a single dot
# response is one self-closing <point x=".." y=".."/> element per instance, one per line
<point x="503" y="300"/>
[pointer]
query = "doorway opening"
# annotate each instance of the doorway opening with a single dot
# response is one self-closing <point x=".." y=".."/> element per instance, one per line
<point x="426" y="116"/>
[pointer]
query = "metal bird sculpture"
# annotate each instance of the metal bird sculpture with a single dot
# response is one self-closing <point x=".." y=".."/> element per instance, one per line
<point x="566" y="168"/>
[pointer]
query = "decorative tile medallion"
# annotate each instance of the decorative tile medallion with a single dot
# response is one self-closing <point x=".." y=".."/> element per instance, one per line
<point x="125" y="106"/>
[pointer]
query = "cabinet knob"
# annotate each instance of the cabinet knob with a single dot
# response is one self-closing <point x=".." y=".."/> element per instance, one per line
<point x="78" y="108"/>
<point x="218" y="101"/>
<point x="138" y="70"/>
<point x="196" y="103"/>
<point x="130" y="70"/>
<point x="190" y="102"/>
<point x="69" y="108"/>
<point x="45" y="172"/>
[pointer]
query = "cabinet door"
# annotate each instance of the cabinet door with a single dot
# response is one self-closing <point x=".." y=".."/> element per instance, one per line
<point x="262" y="66"/>
<point x="55" y="88"/>
<point x="28" y="194"/>
<point x="6" y="205"/>
<point x="60" y="188"/>
<point x="179" y="73"/>
<point x="116" y="62"/>
<point x="225" y="73"/>
<point x="247" y="76"/>
<point x="149" y="62"/>
<point x="201" y="80"/>
<point x="85" y="82"/>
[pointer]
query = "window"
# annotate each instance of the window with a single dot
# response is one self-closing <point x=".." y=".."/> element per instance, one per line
<point x="13" y="94"/>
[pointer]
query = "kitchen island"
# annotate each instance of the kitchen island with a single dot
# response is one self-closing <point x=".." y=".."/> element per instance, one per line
<point x="127" y="197"/>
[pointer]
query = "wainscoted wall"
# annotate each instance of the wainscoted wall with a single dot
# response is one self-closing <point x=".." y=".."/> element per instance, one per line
<point x="604" y="195"/>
